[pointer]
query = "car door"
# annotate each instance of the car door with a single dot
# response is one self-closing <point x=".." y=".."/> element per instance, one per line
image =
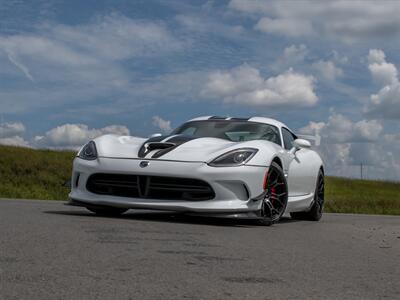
<point x="297" y="167"/>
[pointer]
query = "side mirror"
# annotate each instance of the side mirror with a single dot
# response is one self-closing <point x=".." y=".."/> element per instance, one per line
<point x="300" y="144"/>
<point x="155" y="135"/>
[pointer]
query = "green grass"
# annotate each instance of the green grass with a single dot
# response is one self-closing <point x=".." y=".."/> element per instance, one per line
<point x="34" y="174"/>
<point x="40" y="174"/>
<point x="345" y="195"/>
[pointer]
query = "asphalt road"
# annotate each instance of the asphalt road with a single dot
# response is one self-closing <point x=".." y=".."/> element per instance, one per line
<point x="52" y="251"/>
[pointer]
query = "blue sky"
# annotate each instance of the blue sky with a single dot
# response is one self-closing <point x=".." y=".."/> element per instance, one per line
<point x="71" y="70"/>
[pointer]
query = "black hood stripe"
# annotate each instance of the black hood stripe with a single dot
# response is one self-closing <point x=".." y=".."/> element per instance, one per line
<point x="180" y="139"/>
<point x="168" y="137"/>
<point x="173" y="140"/>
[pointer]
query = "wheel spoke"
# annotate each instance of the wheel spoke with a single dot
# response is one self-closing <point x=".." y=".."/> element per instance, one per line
<point x="272" y="171"/>
<point x="276" y="211"/>
<point x="273" y="183"/>
<point x="320" y="194"/>
<point x="276" y="197"/>
<point x="280" y="202"/>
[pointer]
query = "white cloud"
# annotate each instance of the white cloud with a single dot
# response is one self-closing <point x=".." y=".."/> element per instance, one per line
<point x="117" y="37"/>
<point x="14" y="141"/>
<point x="163" y="125"/>
<point x="289" y="27"/>
<point x="382" y="72"/>
<point x="11" y="129"/>
<point x="10" y="134"/>
<point x="203" y="23"/>
<point x="386" y="103"/>
<point x="228" y="83"/>
<point x="67" y="136"/>
<point x="245" y="85"/>
<point x="376" y="56"/>
<point x="328" y="70"/>
<point x="367" y="130"/>
<point x="291" y="56"/>
<point x="346" y="144"/>
<point x="313" y="128"/>
<point x="348" y="21"/>
<point x="248" y="6"/>
<point x="340" y="129"/>
<point x="294" y="54"/>
<point x="112" y="37"/>
<point x="75" y="135"/>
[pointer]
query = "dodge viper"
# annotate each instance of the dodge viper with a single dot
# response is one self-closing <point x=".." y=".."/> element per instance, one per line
<point x="228" y="167"/>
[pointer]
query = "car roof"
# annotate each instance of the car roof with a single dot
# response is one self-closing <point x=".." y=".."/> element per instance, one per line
<point x="251" y="119"/>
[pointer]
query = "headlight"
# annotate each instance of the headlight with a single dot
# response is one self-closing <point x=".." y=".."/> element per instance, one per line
<point x="88" y="151"/>
<point x="234" y="158"/>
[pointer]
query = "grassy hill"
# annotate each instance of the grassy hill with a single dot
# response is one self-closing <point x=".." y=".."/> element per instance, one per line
<point x="34" y="174"/>
<point x="40" y="174"/>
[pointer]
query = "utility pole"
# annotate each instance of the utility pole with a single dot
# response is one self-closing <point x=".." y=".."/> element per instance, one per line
<point x="1" y="124"/>
<point x="361" y="171"/>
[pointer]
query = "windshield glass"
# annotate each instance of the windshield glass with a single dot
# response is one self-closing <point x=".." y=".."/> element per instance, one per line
<point x="235" y="131"/>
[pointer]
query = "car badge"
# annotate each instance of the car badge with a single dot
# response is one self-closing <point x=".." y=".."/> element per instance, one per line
<point x="144" y="164"/>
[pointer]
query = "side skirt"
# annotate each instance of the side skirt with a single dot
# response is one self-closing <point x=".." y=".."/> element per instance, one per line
<point x="299" y="203"/>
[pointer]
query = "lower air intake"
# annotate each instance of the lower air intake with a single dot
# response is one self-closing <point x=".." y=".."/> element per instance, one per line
<point x="150" y="187"/>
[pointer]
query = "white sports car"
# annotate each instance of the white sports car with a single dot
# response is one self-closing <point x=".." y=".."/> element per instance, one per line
<point x="236" y="167"/>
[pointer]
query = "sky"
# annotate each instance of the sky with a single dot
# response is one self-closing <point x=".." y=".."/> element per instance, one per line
<point x="74" y="70"/>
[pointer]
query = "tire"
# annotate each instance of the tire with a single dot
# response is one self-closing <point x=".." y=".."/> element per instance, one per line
<point x="316" y="210"/>
<point x="276" y="196"/>
<point x="107" y="211"/>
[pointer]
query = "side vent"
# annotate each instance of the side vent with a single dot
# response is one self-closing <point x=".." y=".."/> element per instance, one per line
<point x="78" y="175"/>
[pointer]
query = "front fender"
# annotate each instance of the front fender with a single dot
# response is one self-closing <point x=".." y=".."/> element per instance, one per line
<point x="267" y="151"/>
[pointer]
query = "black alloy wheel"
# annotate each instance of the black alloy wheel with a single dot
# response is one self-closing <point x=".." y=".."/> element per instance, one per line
<point x="276" y="195"/>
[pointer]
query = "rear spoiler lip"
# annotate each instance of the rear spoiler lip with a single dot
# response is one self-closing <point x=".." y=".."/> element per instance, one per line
<point x="315" y="138"/>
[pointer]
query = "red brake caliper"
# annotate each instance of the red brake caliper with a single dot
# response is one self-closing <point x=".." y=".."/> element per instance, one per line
<point x="273" y="190"/>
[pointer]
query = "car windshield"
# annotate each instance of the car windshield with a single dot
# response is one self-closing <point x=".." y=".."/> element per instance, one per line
<point x="235" y="131"/>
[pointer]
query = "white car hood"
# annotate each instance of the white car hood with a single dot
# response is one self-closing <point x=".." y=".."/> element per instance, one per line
<point x="199" y="149"/>
<point x="188" y="149"/>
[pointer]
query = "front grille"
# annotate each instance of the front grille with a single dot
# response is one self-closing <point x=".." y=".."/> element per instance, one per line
<point x="149" y="187"/>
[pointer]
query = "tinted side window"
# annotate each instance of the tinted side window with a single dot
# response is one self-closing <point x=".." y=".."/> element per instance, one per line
<point x="189" y="131"/>
<point x="288" y="138"/>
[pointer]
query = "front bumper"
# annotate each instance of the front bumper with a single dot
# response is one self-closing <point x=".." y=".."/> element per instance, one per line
<point x="236" y="188"/>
